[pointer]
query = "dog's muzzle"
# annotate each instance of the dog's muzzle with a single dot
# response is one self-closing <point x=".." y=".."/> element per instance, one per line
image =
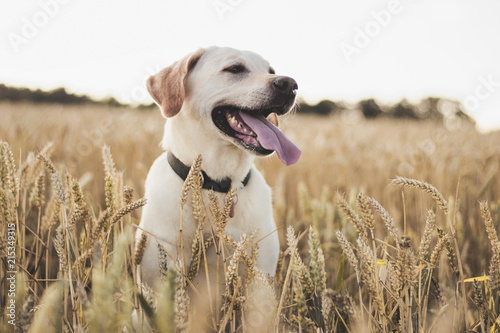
<point x="285" y="89"/>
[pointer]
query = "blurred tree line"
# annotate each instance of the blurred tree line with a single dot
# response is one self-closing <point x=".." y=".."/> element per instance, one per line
<point x="59" y="96"/>
<point x="431" y="108"/>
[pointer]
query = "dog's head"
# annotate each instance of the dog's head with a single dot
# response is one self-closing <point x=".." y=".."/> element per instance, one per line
<point x="237" y="93"/>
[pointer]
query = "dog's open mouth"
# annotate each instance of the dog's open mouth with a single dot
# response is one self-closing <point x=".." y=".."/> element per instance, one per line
<point x="254" y="132"/>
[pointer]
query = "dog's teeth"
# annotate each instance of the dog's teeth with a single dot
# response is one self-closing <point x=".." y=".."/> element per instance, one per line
<point x="233" y="120"/>
<point x="239" y="126"/>
<point x="252" y="133"/>
<point x="245" y="130"/>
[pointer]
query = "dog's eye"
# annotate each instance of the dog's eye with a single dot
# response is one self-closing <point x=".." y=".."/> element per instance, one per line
<point x="235" y="69"/>
<point x="271" y="71"/>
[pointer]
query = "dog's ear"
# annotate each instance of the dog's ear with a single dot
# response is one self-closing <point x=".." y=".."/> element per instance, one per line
<point x="167" y="86"/>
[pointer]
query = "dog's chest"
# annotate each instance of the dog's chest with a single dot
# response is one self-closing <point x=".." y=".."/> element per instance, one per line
<point x="234" y="218"/>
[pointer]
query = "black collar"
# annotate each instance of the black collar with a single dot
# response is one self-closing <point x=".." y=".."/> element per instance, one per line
<point x="182" y="170"/>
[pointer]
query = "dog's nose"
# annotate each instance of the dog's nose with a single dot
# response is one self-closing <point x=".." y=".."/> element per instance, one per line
<point x="285" y="85"/>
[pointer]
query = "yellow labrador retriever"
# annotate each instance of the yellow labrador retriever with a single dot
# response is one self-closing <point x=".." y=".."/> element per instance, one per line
<point x="216" y="101"/>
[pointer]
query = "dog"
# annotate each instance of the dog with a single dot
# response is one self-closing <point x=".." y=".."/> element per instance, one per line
<point x="219" y="103"/>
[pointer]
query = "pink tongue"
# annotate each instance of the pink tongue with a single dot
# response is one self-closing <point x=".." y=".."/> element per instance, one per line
<point x="270" y="137"/>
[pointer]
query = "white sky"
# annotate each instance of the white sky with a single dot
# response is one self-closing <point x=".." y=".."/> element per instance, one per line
<point x="446" y="48"/>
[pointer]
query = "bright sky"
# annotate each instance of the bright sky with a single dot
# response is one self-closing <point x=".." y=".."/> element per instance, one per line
<point x="340" y="50"/>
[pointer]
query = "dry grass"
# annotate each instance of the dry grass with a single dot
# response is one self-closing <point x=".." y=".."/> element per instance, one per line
<point x="401" y="255"/>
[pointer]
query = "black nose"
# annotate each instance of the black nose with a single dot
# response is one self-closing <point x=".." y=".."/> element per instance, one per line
<point x="285" y="85"/>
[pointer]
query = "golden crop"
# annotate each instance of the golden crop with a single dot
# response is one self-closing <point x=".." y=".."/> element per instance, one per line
<point x="385" y="226"/>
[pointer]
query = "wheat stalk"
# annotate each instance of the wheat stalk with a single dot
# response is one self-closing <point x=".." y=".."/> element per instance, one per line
<point x="351" y="216"/>
<point x="26" y="314"/>
<point x="423" y="186"/>
<point x="8" y="205"/>
<point x="60" y="246"/>
<point x="196" y="253"/>
<point x="56" y="181"/>
<point x="127" y="209"/>
<point x="436" y="253"/>
<point x="140" y="248"/>
<point x="49" y="316"/>
<point x="369" y="275"/>
<point x="366" y="212"/>
<point x="181" y="303"/>
<point x="430" y="224"/>
<point x="452" y="257"/>
<point x="405" y="264"/>
<point x="196" y="196"/>
<point x="162" y="261"/>
<point x="37" y="195"/>
<point x="99" y="226"/>
<point x="316" y="262"/>
<point x="490" y="227"/>
<point x="82" y="296"/>
<point x="10" y="179"/>
<point x="388" y="220"/>
<point x="299" y="266"/>
<point x="349" y="252"/>
<point x="109" y="179"/>
<point x="80" y="212"/>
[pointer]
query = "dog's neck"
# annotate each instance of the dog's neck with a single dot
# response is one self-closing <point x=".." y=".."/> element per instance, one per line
<point x="221" y="158"/>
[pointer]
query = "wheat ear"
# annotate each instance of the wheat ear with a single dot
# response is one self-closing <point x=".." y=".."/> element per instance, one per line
<point x="423" y="186"/>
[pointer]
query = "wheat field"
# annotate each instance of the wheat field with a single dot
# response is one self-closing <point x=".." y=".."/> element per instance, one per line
<point x="385" y="226"/>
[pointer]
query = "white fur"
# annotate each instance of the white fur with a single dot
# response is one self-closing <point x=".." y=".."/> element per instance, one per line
<point x="192" y="132"/>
